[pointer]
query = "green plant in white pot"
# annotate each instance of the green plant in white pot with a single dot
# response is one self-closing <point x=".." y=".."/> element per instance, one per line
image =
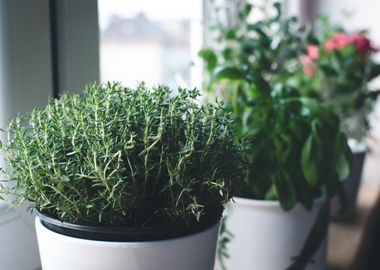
<point x="300" y="158"/>
<point x="124" y="178"/>
<point x="338" y="67"/>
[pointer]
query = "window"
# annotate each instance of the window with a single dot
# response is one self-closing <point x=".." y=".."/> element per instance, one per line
<point x="151" y="41"/>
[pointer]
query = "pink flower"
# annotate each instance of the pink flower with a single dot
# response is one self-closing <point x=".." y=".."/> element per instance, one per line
<point x="342" y="39"/>
<point x="330" y="45"/>
<point x="308" y="65"/>
<point x="308" y="61"/>
<point x="313" y="52"/>
<point x="338" y="41"/>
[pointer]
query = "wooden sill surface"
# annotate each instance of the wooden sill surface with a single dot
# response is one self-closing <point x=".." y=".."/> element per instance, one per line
<point x="347" y="238"/>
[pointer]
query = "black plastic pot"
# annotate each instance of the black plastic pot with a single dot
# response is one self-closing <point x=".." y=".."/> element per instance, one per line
<point x="351" y="187"/>
<point x="126" y="234"/>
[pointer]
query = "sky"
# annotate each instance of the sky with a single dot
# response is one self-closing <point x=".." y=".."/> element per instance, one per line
<point x="154" y="9"/>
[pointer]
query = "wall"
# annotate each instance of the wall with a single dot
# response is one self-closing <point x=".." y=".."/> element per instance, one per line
<point x="26" y="81"/>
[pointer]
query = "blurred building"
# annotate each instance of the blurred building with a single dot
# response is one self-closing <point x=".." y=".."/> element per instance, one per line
<point x="138" y="49"/>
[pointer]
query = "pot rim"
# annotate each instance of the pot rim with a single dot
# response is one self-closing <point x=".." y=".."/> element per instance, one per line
<point x="247" y="202"/>
<point x="56" y="236"/>
<point x="126" y="234"/>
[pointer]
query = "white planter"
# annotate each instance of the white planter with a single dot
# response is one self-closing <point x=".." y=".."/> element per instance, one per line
<point x="60" y="252"/>
<point x="266" y="237"/>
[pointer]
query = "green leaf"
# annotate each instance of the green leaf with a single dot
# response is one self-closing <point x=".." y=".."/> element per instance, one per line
<point x="65" y="178"/>
<point x="328" y="69"/>
<point x="227" y="72"/>
<point x="271" y="193"/>
<point x="374" y="72"/>
<point x="245" y="12"/>
<point x="344" y="157"/>
<point x="373" y="95"/>
<point x="230" y="34"/>
<point x="285" y="190"/>
<point x="209" y="56"/>
<point x="262" y="85"/>
<point x="309" y="166"/>
<point x="60" y="186"/>
<point x="277" y="6"/>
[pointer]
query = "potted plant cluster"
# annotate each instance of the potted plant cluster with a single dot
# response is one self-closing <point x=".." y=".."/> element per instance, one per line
<point x="338" y="67"/>
<point x="300" y="157"/>
<point x="124" y="178"/>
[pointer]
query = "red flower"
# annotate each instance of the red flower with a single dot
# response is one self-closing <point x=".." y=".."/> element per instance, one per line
<point x="362" y="43"/>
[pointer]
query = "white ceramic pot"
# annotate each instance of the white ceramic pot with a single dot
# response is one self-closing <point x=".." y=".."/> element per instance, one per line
<point x="61" y="252"/>
<point x="266" y="237"/>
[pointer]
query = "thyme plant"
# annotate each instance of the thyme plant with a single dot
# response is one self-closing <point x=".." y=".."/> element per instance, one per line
<point x="126" y="157"/>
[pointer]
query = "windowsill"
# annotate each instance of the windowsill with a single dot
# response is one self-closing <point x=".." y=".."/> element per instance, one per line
<point x="347" y="238"/>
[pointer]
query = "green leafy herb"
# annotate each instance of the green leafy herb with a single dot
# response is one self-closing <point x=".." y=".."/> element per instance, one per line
<point x="299" y="152"/>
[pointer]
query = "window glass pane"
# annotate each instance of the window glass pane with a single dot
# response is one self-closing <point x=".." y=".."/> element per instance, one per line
<point x="151" y="41"/>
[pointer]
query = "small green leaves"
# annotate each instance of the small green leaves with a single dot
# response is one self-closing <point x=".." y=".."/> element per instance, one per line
<point x="225" y="236"/>
<point x="65" y="178"/>
<point x="121" y="156"/>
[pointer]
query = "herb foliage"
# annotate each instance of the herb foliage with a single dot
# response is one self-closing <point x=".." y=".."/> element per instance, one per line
<point x="126" y="157"/>
<point x="299" y="151"/>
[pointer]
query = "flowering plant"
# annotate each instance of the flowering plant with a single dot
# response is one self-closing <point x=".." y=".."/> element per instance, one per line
<point x="338" y="67"/>
<point x="253" y="67"/>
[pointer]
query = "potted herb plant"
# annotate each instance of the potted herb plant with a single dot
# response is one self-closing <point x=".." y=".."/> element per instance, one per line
<point x="338" y="67"/>
<point x="300" y="156"/>
<point x="124" y="178"/>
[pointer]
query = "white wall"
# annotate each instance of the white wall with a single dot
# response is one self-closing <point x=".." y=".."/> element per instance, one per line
<point x="363" y="14"/>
